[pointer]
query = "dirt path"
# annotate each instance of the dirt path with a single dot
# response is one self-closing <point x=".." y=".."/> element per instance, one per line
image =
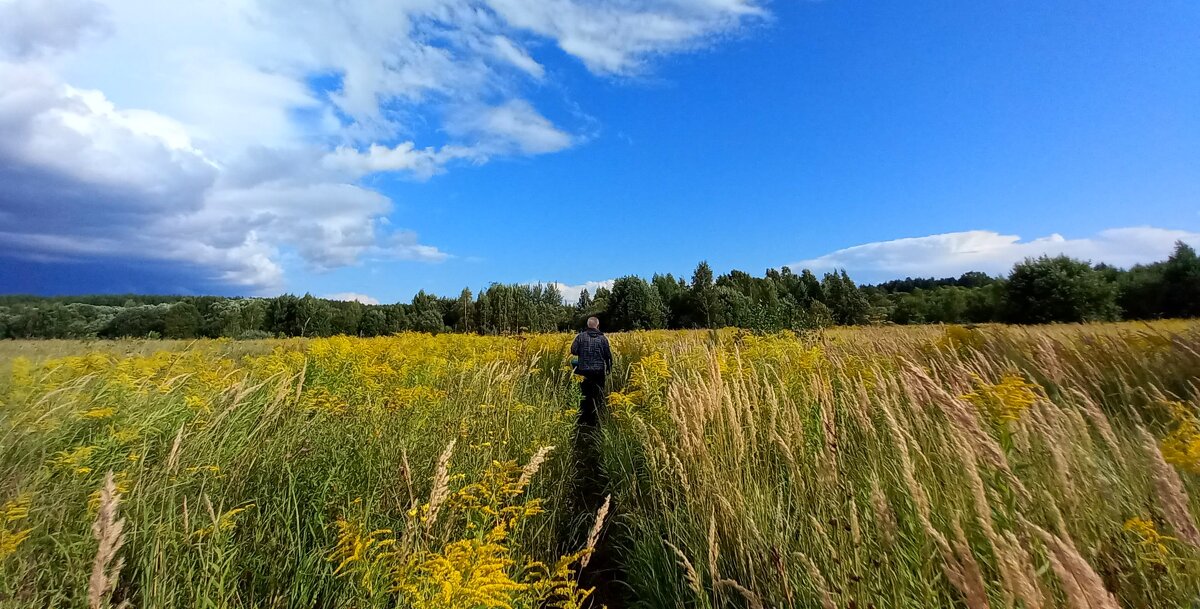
<point x="604" y="571"/>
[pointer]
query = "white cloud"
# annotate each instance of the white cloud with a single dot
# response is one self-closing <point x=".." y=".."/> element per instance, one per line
<point x="951" y="254"/>
<point x="617" y="37"/>
<point x="190" y="131"/>
<point x="353" y="296"/>
<point x="570" y="293"/>
<point x="510" y="52"/>
<point x="422" y="163"/>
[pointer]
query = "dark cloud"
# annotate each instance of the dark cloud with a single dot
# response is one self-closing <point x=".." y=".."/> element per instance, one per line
<point x="30" y="28"/>
<point x="109" y="276"/>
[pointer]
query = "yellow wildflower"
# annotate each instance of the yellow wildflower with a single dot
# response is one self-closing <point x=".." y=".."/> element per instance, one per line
<point x="74" y="459"/>
<point x="1005" y="401"/>
<point x="1181" y="446"/>
<point x="225" y="523"/>
<point x="1152" y="545"/>
<point x="11" y="536"/>
<point x="121" y="479"/>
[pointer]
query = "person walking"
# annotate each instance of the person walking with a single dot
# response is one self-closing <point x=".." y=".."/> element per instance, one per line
<point x="593" y="362"/>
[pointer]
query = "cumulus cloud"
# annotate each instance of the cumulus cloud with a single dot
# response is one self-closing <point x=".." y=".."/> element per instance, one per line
<point x="84" y="179"/>
<point x="952" y="254"/>
<point x="191" y="131"/>
<point x="353" y="297"/>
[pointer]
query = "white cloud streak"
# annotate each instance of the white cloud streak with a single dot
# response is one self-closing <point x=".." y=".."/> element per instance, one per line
<point x="353" y="297"/>
<point x="951" y="254"/>
<point x="570" y="293"/>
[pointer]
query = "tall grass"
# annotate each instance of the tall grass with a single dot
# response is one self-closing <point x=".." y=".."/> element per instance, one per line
<point x="235" y="473"/>
<point x="872" y="467"/>
<point x="993" y="467"/>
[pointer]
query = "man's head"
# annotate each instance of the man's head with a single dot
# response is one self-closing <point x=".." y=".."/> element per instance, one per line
<point x="594" y="323"/>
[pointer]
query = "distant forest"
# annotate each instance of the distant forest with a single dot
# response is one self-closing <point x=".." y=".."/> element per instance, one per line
<point x="1042" y="290"/>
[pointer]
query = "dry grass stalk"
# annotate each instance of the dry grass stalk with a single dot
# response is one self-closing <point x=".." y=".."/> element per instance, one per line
<point x="1053" y="442"/>
<point x="1081" y="583"/>
<point x="819" y="582"/>
<point x="963" y="417"/>
<point x="107" y="529"/>
<point x="1051" y="504"/>
<point x="1172" y="498"/>
<point x="899" y="438"/>
<point x="823" y="534"/>
<point x="441" y="485"/>
<point x="187" y="525"/>
<point x="1024" y="580"/>
<point x="855" y="529"/>
<point x="675" y="404"/>
<point x="963" y="571"/>
<point x="679" y="469"/>
<point x="733" y="421"/>
<point x="535" y="463"/>
<point x="1076" y="599"/>
<point x="689" y="572"/>
<point x="714" y="551"/>
<point x="173" y="457"/>
<point x="783" y="447"/>
<point x="829" y="452"/>
<point x="594" y="535"/>
<point x="1101" y="422"/>
<point x="752" y="599"/>
<point x="884" y="518"/>
<point x="1082" y="442"/>
<point x="406" y="470"/>
<point x="1011" y="573"/>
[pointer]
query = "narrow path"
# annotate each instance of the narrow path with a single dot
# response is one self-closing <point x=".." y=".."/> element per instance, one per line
<point x="604" y="571"/>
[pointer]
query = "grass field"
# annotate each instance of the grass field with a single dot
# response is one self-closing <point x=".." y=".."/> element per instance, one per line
<point x="871" y="467"/>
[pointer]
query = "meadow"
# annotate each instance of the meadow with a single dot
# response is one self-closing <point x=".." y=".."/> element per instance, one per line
<point x="868" y="467"/>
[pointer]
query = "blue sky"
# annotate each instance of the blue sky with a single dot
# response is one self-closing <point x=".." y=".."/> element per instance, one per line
<point x="576" y="141"/>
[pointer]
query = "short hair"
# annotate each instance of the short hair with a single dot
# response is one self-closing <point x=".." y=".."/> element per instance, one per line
<point x="594" y="322"/>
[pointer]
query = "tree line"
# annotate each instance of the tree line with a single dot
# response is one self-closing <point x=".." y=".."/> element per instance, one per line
<point x="1041" y="290"/>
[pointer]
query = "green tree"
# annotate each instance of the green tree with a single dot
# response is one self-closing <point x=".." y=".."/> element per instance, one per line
<point x="1181" y="282"/>
<point x="705" y="310"/>
<point x="282" y="316"/>
<point x="674" y="296"/>
<point x="182" y="320"/>
<point x="137" y="321"/>
<point x="425" y="314"/>
<point x="634" y="305"/>
<point x="314" y="316"/>
<point x="397" y="319"/>
<point x="464" y="312"/>
<point x="1058" y="289"/>
<point x="948" y="305"/>
<point x="374" y="322"/>
<point x="911" y="307"/>
<point x="818" y="315"/>
<point x="347" y="316"/>
<point x="846" y="302"/>
<point x="810" y="289"/>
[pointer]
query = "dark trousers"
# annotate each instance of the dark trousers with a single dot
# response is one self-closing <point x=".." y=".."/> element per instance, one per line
<point x="593" y="398"/>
